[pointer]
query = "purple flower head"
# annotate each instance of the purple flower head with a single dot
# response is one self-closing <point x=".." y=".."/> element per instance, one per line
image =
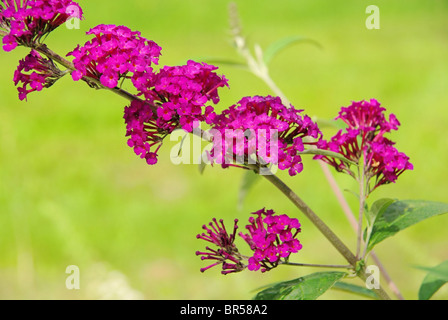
<point x="27" y="22"/>
<point x="176" y="97"/>
<point x="363" y="140"/>
<point x="184" y="92"/>
<point x="35" y="73"/>
<point x="115" y="53"/>
<point x="368" y="117"/>
<point x="264" y="129"/>
<point x="227" y="253"/>
<point x="145" y="137"/>
<point x="272" y="238"/>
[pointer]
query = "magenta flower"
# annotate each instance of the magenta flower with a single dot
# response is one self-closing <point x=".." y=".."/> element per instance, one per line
<point x="364" y="139"/>
<point x="144" y="134"/>
<point x="184" y="92"/>
<point x="177" y="98"/>
<point x="264" y="129"/>
<point x="35" y="73"/>
<point x="272" y="239"/>
<point x="227" y="254"/>
<point x="27" y="22"/>
<point x="116" y="53"/>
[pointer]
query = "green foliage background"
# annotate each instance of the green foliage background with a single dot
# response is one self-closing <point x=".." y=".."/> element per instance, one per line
<point x="73" y="193"/>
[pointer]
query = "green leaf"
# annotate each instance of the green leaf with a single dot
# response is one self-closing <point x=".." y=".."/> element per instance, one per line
<point x="181" y="145"/>
<point x="248" y="181"/>
<point x="434" y="280"/>
<point x="309" y="287"/>
<point x="378" y="208"/>
<point x="352" y="288"/>
<point x="223" y="61"/>
<point x="203" y="164"/>
<point x="401" y="215"/>
<point x="201" y="167"/>
<point x="327" y="153"/>
<point x="276" y="47"/>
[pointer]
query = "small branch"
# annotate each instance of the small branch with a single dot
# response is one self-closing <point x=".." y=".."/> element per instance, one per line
<point x="317" y="265"/>
<point x="69" y="65"/>
<point x="362" y="201"/>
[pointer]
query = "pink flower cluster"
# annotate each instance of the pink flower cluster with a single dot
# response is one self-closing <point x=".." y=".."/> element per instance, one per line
<point x="116" y="52"/>
<point x="227" y="253"/>
<point x="364" y="139"/>
<point x="177" y="99"/>
<point x="267" y="130"/>
<point x="143" y="131"/>
<point x="27" y="21"/>
<point x="35" y="73"/>
<point x="184" y="92"/>
<point x="272" y="238"/>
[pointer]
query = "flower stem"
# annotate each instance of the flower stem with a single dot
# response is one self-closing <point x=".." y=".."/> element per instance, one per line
<point x="362" y="202"/>
<point x="349" y="215"/>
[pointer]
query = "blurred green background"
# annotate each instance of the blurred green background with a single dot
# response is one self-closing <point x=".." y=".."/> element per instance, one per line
<point x="73" y="193"/>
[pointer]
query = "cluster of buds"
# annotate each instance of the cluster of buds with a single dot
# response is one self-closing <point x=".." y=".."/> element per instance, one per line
<point x="227" y="253"/>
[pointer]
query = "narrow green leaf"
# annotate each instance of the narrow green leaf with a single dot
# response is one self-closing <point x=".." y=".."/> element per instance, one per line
<point x="352" y="288"/>
<point x="353" y="193"/>
<point x="201" y="167"/>
<point x="434" y="280"/>
<point x="223" y="61"/>
<point x="276" y="47"/>
<point x="328" y="153"/>
<point x="248" y="181"/>
<point x="309" y="287"/>
<point x="181" y="145"/>
<point x="202" y="164"/>
<point x="401" y="215"/>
